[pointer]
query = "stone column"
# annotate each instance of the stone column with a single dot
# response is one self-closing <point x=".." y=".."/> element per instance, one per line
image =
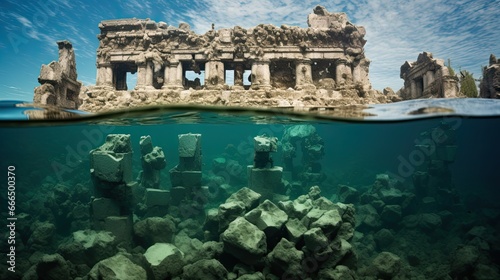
<point x="303" y="75"/>
<point x="104" y="75"/>
<point x="239" y="70"/>
<point x="261" y="75"/>
<point x="173" y="75"/>
<point x="141" y="76"/>
<point x="343" y="71"/>
<point x="148" y="82"/>
<point x="413" y="89"/>
<point x="430" y="77"/>
<point x="214" y="74"/>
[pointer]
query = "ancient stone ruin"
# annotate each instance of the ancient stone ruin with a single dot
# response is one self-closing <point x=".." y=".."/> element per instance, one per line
<point x="58" y="80"/>
<point x="490" y="84"/>
<point x="427" y="77"/>
<point x="264" y="65"/>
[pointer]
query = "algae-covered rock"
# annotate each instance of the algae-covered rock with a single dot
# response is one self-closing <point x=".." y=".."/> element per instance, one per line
<point x="117" y="267"/>
<point x="267" y="217"/>
<point x="88" y="247"/>
<point x="204" y="270"/>
<point x="285" y="260"/>
<point x="53" y="267"/>
<point x="387" y="265"/>
<point x="154" y="230"/>
<point x="248" y="197"/>
<point x="244" y="241"/>
<point x="165" y="259"/>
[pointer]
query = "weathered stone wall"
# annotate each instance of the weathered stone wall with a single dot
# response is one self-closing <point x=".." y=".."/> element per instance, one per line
<point x="59" y="85"/>
<point x="490" y="84"/>
<point x="427" y="77"/>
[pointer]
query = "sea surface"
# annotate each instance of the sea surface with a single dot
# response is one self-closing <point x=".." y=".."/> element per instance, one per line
<point x="453" y="143"/>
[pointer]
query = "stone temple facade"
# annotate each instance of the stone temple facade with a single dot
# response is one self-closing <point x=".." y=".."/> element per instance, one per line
<point x="427" y="77"/>
<point x="261" y="66"/>
<point x="490" y="84"/>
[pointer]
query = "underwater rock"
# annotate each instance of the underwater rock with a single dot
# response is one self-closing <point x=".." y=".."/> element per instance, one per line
<point x="391" y="214"/>
<point x="154" y="230"/>
<point x="254" y="276"/>
<point x="383" y="238"/>
<point x="209" y="250"/>
<point x="297" y="208"/>
<point x="486" y="272"/>
<point x="42" y="236"/>
<point x="116" y="267"/>
<point x="315" y="239"/>
<point x="267" y="217"/>
<point x="121" y="228"/>
<point x="53" y="267"/>
<point x="314" y="192"/>
<point x="312" y="216"/>
<point x="204" y="270"/>
<point x="248" y="197"/>
<point x="348" y="194"/>
<point x="295" y="229"/>
<point x="329" y="222"/>
<point x="189" y="246"/>
<point x="285" y="260"/>
<point x="339" y="272"/>
<point x="342" y="253"/>
<point x="88" y="247"/>
<point x="368" y="217"/>
<point x="165" y="259"/>
<point x="228" y="212"/>
<point x="245" y="241"/>
<point x="463" y="261"/>
<point x="386" y="265"/>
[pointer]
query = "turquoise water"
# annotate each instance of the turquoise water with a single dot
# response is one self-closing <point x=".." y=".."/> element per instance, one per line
<point x="447" y="229"/>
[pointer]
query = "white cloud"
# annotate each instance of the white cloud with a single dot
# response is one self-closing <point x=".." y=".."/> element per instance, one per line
<point x="137" y="6"/>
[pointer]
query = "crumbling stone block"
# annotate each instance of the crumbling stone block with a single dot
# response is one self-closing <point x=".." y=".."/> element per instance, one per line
<point x="248" y="197"/>
<point x="286" y="260"/>
<point x="244" y="241"/>
<point x="267" y="217"/>
<point x="156" y="197"/>
<point x="166" y="260"/>
<point x="104" y="207"/>
<point x="117" y="267"/>
<point x="120" y="227"/>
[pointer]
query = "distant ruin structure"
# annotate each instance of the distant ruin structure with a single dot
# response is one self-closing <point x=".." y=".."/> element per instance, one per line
<point x="59" y="85"/>
<point x="490" y="84"/>
<point x="427" y="77"/>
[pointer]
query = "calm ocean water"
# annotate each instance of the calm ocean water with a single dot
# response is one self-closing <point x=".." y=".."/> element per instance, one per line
<point x="356" y="151"/>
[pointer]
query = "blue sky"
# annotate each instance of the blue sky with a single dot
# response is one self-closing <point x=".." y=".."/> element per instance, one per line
<point x="465" y="31"/>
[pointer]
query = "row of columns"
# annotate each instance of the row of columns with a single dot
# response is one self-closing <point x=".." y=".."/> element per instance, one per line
<point x="215" y="72"/>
